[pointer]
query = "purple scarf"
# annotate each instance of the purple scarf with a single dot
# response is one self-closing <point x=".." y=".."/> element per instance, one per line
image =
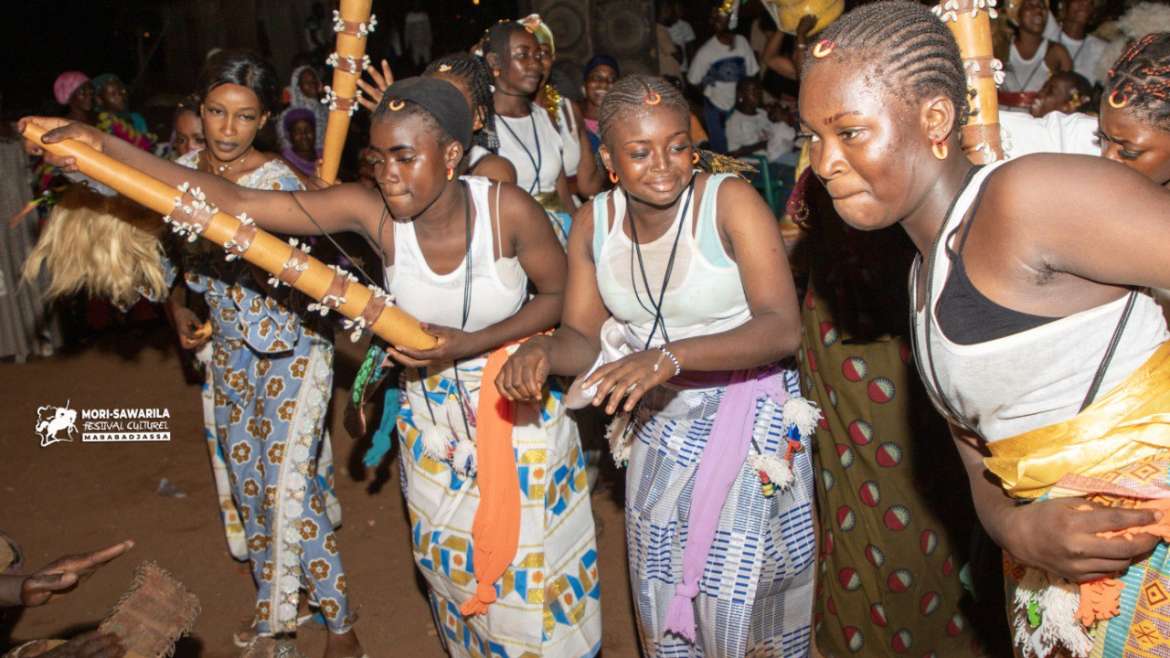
<point x="306" y="167"/>
<point x="722" y="459"/>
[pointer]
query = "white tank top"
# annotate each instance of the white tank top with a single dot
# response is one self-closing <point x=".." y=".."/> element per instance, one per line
<point x="1037" y="377"/>
<point x="1026" y="74"/>
<point x="533" y="145"/>
<point x="704" y="295"/>
<point x="499" y="287"/>
<point x="570" y="138"/>
<point x="475" y="154"/>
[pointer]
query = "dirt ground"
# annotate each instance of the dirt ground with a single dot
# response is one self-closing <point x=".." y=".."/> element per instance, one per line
<point x="68" y="497"/>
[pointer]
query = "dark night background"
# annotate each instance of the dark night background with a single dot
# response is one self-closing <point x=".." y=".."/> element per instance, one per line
<point x="156" y="46"/>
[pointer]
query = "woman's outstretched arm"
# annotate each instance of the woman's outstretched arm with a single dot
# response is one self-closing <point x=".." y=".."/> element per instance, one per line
<point x="339" y="208"/>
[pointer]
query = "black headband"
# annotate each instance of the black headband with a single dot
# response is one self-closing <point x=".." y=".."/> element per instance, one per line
<point x="439" y="98"/>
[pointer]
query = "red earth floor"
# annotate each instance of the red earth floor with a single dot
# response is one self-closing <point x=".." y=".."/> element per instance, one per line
<point x="68" y="497"/>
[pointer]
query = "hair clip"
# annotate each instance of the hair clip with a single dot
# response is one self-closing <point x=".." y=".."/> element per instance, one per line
<point x="396" y="104"/>
<point x="1117" y="100"/>
<point x="823" y="48"/>
<point x="653" y="98"/>
<point x="443" y="68"/>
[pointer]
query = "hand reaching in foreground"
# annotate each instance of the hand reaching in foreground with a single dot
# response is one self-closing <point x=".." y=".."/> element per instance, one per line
<point x="57" y="130"/>
<point x="63" y="574"/>
<point x="372" y="93"/>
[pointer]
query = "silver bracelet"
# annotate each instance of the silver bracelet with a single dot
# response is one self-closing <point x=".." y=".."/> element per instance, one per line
<point x="673" y="359"/>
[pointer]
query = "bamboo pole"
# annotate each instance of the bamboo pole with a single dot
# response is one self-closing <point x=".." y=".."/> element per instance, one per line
<point x="970" y="22"/>
<point x="352" y="23"/>
<point x="330" y="286"/>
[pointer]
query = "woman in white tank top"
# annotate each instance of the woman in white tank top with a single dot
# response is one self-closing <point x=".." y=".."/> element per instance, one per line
<point x="1024" y="76"/>
<point x="680" y="291"/>
<point x="470" y="75"/>
<point x="528" y="137"/>
<point x="460" y="253"/>
<point x="1017" y="302"/>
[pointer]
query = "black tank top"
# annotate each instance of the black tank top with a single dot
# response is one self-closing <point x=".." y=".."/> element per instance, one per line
<point x="966" y="316"/>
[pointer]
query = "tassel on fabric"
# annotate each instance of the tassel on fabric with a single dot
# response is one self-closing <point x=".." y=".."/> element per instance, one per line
<point x="620" y="439"/>
<point x="380" y="443"/>
<point x="680" y="615"/>
<point x="802" y="414"/>
<point x="485" y="595"/>
<point x="1057" y="602"/>
<point x="773" y="471"/>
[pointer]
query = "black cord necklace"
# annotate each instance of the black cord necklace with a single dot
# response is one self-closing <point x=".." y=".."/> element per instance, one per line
<point x="467" y="267"/>
<point x="537" y="161"/>
<point x="659" y="322"/>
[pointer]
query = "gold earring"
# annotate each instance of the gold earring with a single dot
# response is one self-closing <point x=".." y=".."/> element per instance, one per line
<point x="1117" y="100"/>
<point x="940" y="150"/>
<point x="450" y="173"/>
<point x="695" y="158"/>
<point x="613" y="178"/>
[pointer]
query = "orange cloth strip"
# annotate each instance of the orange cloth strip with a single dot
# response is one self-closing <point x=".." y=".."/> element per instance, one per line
<point x="496" y="530"/>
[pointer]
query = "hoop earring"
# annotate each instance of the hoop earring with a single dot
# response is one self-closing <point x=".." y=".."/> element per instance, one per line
<point x="695" y="157"/>
<point x="940" y="150"/>
<point x="450" y="173"/>
<point x="613" y="178"/>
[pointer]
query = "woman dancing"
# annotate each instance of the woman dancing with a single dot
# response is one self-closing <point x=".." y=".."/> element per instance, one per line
<point x="471" y="77"/>
<point x="527" y="135"/>
<point x="679" y="280"/>
<point x="1032" y="333"/>
<point x="459" y="254"/>
<point x="270" y="378"/>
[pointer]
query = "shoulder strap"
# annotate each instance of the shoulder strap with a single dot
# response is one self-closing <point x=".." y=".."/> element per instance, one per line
<point x="496" y="217"/>
<point x="600" y="222"/>
<point x="968" y="220"/>
<point x="707" y="232"/>
<point x="1095" y="386"/>
<point x="923" y="353"/>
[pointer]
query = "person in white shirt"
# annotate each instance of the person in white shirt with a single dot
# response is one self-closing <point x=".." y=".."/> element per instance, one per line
<point x="681" y="32"/>
<point x="751" y="130"/>
<point x="724" y="60"/>
<point x="1071" y="32"/>
<point x="1032" y="58"/>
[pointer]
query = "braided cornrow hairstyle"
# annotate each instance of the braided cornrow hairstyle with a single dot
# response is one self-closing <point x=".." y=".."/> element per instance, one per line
<point x="901" y="43"/>
<point x="478" y="78"/>
<point x="498" y="36"/>
<point x="1140" y="80"/>
<point x="636" y="94"/>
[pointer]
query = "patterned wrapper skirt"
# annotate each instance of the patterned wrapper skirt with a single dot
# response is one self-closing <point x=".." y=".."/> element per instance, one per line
<point x="755" y="595"/>
<point x="549" y="599"/>
<point x="894" y="506"/>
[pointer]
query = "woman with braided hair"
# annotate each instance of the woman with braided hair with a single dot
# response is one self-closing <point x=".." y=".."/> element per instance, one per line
<point x="507" y="551"/>
<point x="1135" y="109"/>
<point x="679" y="314"/>
<point x="269" y="367"/>
<point x="528" y="136"/>
<point x="470" y="75"/>
<point x="1031" y="329"/>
